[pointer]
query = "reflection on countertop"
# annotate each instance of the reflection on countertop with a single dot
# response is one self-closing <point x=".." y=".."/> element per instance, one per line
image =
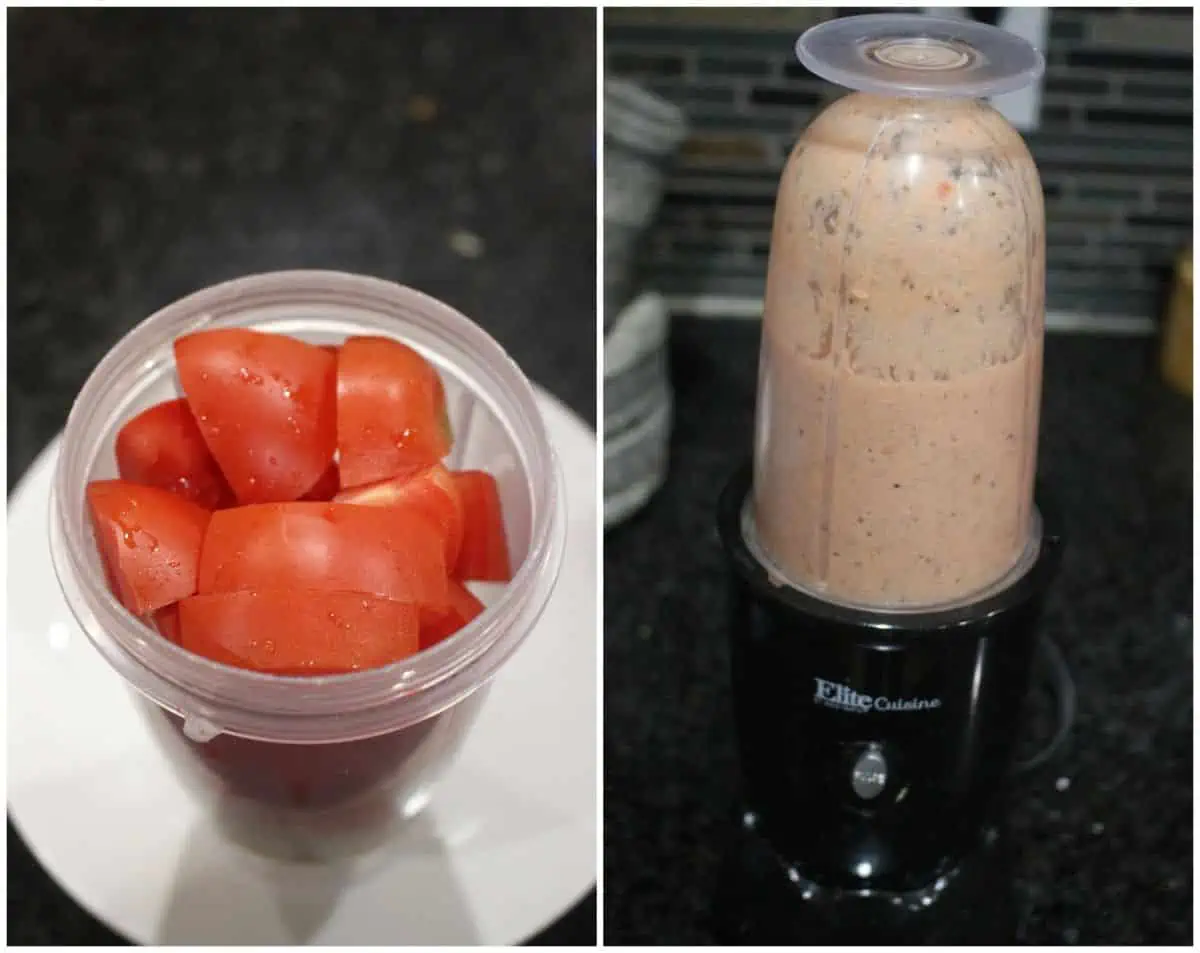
<point x="1103" y="834"/>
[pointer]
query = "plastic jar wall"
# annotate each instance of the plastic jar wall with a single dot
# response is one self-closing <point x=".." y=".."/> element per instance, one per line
<point x="343" y="747"/>
<point x="901" y="362"/>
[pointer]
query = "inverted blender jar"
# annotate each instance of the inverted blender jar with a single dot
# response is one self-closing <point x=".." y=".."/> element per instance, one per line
<point x="888" y="559"/>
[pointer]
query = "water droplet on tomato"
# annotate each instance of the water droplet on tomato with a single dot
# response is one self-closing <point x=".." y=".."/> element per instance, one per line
<point x="269" y="647"/>
<point x="271" y="460"/>
<point x="204" y="375"/>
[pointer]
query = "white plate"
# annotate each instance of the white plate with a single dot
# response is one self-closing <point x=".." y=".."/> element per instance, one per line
<point x="507" y="845"/>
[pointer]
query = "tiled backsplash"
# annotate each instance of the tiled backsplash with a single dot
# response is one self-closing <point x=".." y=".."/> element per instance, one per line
<point x="1114" y="145"/>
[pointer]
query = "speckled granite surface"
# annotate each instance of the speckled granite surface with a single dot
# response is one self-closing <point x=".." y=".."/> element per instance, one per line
<point x="1103" y="836"/>
<point x="151" y="154"/>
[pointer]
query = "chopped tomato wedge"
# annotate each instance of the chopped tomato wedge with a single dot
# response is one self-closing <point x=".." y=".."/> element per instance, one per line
<point x="163" y="447"/>
<point x="292" y="513"/>
<point x="438" y="624"/>
<point x="166" y="620"/>
<point x="298" y="631"/>
<point x="391" y="411"/>
<point x="149" y="540"/>
<point x="393" y="553"/>
<point x="484" y="553"/>
<point x="439" y="400"/>
<point x="326" y="487"/>
<point x="265" y="405"/>
<point x="431" y="491"/>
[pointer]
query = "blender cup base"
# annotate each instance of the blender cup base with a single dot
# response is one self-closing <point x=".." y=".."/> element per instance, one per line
<point x="760" y="901"/>
<point x="87" y="780"/>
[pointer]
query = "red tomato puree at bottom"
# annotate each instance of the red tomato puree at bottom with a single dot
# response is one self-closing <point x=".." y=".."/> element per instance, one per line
<point x="318" y="777"/>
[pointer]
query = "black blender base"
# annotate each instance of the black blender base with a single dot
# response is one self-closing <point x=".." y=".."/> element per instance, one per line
<point x="758" y="903"/>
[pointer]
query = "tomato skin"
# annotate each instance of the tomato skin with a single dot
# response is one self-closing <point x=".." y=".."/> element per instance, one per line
<point x="166" y="620"/>
<point x="484" y="553"/>
<point x="265" y="405"/>
<point x="326" y="487"/>
<point x="149" y="541"/>
<point x="389" y="552"/>
<point x="431" y="491"/>
<point x="298" y="631"/>
<point x="163" y="447"/>
<point x="438" y="624"/>
<point x="391" y="411"/>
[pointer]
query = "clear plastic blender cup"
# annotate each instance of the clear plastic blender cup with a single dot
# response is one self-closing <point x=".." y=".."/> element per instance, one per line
<point x="901" y="363"/>
<point x="326" y="761"/>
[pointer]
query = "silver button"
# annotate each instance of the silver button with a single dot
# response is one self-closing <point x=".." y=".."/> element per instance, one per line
<point x="868" y="778"/>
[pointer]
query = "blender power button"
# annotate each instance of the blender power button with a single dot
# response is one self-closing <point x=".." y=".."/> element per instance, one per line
<point x="869" y="775"/>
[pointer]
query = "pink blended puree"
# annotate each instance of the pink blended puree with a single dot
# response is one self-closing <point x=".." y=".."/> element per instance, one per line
<point x="901" y="361"/>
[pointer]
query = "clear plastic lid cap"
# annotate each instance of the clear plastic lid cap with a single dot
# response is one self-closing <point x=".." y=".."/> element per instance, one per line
<point x="904" y="54"/>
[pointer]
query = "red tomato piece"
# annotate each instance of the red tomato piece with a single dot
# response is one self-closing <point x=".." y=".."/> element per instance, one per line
<point x="430" y="490"/>
<point x="438" y="624"/>
<point x="166" y="620"/>
<point x="163" y="447"/>
<point x="439" y="400"/>
<point x="265" y="405"/>
<point x="149" y="540"/>
<point x="391" y="411"/>
<point x="326" y="487"/>
<point x="393" y="553"/>
<point x="484" y="553"/>
<point x="298" y="631"/>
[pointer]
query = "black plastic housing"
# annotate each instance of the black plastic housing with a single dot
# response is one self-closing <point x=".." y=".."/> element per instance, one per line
<point x="938" y="696"/>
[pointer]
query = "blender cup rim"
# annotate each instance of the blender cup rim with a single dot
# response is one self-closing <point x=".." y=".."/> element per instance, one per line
<point x="220" y="698"/>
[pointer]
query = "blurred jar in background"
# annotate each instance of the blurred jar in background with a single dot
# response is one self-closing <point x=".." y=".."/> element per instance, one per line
<point x="1177" y="328"/>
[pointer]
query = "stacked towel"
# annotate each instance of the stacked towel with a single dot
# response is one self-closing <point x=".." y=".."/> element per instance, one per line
<point x="641" y="135"/>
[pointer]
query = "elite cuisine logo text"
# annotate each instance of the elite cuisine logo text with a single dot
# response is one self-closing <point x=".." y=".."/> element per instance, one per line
<point x="845" y="698"/>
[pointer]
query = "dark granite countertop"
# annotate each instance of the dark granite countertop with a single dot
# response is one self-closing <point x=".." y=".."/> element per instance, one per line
<point x="153" y="153"/>
<point x="1103" y="837"/>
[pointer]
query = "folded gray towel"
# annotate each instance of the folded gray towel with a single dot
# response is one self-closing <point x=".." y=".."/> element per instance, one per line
<point x="641" y="135"/>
